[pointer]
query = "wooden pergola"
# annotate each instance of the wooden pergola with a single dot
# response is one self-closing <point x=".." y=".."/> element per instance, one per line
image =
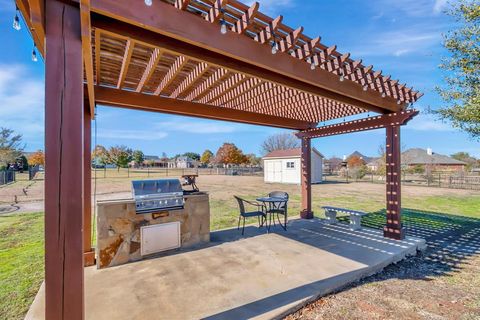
<point x="215" y="59"/>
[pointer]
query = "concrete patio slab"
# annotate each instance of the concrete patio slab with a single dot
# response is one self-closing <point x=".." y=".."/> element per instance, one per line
<point x="260" y="275"/>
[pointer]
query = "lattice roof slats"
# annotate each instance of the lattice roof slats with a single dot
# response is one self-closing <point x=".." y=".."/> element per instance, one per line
<point x="192" y="77"/>
<point x="171" y="74"/>
<point x="207" y="84"/>
<point x="247" y="19"/>
<point x="150" y="68"/>
<point x="125" y="62"/>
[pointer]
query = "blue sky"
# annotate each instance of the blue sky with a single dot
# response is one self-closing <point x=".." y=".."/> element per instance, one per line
<point x="402" y="38"/>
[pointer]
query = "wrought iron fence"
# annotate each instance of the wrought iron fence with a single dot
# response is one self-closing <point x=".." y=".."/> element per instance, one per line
<point x="32" y="171"/>
<point x="7" y="176"/>
<point x="434" y="179"/>
<point x="147" y="172"/>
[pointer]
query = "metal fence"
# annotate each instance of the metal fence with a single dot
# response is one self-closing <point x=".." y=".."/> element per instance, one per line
<point x="435" y="179"/>
<point x="148" y="172"/>
<point x="7" y="176"/>
<point x="32" y="171"/>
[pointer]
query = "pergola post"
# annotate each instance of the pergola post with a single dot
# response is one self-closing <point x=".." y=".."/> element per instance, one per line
<point x="393" y="228"/>
<point x="306" y="175"/>
<point x="64" y="163"/>
<point x="89" y="252"/>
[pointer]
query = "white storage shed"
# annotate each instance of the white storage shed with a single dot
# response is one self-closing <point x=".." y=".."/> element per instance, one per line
<point x="283" y="166"/>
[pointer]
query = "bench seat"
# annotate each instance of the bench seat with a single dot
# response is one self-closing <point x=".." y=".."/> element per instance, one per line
<point x="354" y="215"/>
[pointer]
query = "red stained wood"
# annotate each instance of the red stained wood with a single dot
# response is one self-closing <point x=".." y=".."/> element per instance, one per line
<point x="393" y="228"/>
<point x="364" y="124"/>
<point x="306" y="176"/>
<point x="87" y="184"/>
<point x="63" y="163"/>
<point x="125" y="99"/>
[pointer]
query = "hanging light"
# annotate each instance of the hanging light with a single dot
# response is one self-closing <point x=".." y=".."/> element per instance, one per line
<point x="342" y="76"/>
<point x="223" y="26"/>
<point x="34" y="54"/>
<point x="148" y="3"/>
<point x="365" y="88"/>
<point x="384" y="94"/>
<point x="312" y="66"/>
<point x="16" y="21"/>
<point x="399" y="102"/>
<point x="274" y="47"/>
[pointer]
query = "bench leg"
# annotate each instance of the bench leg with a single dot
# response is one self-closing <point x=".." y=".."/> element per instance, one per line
<point x="355" y="222"/>
<point x="331" y="216"/>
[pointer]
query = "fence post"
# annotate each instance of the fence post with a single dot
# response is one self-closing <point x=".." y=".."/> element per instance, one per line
<point x="128" y="172"/>
<point x="440" y="180"/>
<point x="104" y="172"/>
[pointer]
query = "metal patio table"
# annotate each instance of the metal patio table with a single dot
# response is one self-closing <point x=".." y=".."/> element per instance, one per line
<point x="274" y="205"/>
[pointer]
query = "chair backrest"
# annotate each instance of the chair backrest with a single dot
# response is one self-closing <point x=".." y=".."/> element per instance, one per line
<point x="278" y="194"/>
<point x="240" y="204"/>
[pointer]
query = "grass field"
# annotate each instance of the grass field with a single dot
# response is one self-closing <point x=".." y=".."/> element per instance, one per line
<point x="21" y="235"/>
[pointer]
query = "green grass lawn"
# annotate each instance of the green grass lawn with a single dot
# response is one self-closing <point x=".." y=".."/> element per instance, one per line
<point x="21" y="262"/>
<point x="21" y="236"/>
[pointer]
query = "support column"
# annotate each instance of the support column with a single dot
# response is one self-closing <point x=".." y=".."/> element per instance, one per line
<point x="393" y="228"/>
<point x="306" y="178"/>
<point x="64" y="149"/>
<point x="89" y="252"/>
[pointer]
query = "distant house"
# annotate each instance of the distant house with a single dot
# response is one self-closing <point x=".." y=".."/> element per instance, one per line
<point x="429" y="159"/>
<point x="375" y="164"/>
<point x="283" y="166"/>
<point x="182" y="162"/>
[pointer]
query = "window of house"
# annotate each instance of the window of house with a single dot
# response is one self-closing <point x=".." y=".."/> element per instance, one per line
<point x="290" y="165"/>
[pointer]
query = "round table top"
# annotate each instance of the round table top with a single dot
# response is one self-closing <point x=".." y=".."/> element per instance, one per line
<point x="272" y="199"/>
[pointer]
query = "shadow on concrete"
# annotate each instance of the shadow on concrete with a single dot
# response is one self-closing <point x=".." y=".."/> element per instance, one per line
<point x="451" y="240"/>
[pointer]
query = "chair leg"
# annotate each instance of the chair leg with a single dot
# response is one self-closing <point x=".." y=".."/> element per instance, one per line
<point x="238" y="227"/>
<point x="243" y="230"/>
<point x="258" y="217"/>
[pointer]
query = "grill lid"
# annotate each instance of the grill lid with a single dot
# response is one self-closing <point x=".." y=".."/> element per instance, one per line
<point x="141" y="188"/>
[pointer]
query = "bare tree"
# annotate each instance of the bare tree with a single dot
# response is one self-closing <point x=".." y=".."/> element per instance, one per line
<point x="281" y="141"/>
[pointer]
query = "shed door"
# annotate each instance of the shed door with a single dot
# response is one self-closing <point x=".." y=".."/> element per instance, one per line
<point x="274" y="171"/>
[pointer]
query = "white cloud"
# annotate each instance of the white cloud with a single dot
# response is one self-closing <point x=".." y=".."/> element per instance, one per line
<point x="22" y="104"/>
<point x="439" y="6"/>
<point x="272" y="6"/>
<point x="196" y="127"/>
<point x="117" y="134"/>
<point x="426" y="122"/>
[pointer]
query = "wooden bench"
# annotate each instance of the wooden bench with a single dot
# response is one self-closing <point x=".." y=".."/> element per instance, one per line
<point x="355" y="216"/>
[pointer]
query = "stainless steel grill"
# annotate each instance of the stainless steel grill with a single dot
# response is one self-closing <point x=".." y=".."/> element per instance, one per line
<point x="157" y="195"/>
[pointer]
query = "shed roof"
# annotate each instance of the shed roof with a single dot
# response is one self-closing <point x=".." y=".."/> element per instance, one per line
<point x="289" y="153"/>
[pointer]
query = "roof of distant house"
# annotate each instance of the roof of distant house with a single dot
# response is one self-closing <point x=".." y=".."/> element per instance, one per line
<point x="421" y="156"/>
<point x="151" y="157"/>
<point x="289" y="153"/>
<point x="361" y="156"/>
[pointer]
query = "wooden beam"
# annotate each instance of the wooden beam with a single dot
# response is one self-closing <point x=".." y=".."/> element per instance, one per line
<point x="87" y="51"/>
<point x="171" y="74"/>
<point x="150" y="68"/>
<point x="377" y="122"/>
<point x="88" y="251"/>
<point x="37" y="16"/>
<point x="64" y="151"/>
<point x="182" y="4"/>
<point x="97" y="56"/>
<point x="268" y="33"/>
<point x="127" y="56"/>
<point x="126" y="99"/>
<point x="165" y="26"/>
<point x="290" y="40"/>
<point x="306" y="182"/>
<point x="216" y="12"/>
<point x="38" y="39"/>
<point x="247" y="19"/>
<point x="393" y="228"/>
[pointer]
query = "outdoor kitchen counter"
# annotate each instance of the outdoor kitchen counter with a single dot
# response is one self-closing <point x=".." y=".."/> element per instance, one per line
<point x="118" y="227"/>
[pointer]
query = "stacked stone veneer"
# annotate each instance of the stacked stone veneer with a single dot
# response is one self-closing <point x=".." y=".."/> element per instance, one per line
<point x="118" y="227"/>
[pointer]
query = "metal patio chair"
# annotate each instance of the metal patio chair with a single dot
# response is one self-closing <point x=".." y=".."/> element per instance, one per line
<point x="279" y="208"/>
<point x="259" y="212"/>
